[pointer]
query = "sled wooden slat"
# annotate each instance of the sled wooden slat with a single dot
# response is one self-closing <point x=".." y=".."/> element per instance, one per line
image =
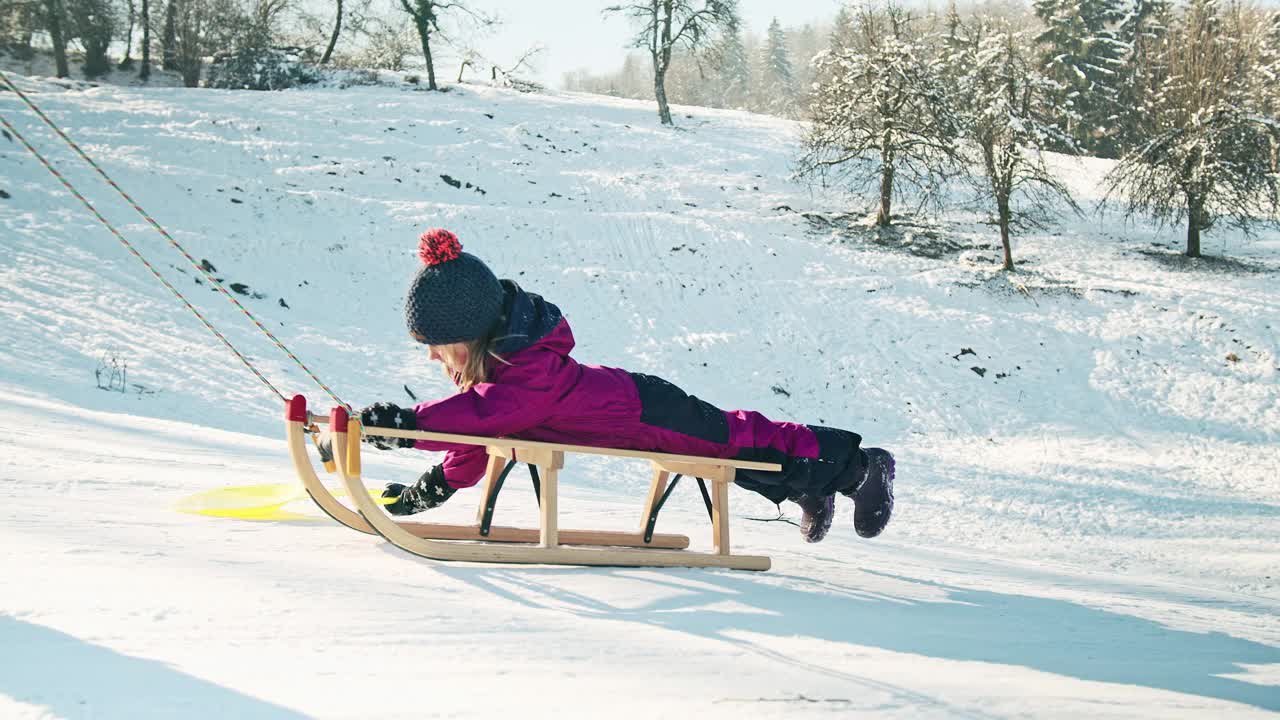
<point x="580" y="449"/>
<point x="555" y="546"/>
<point x="550" y="535"/>
<point x="696" y="470"/>
<point x="720" y="517"/>
<point x="502" y="534"/>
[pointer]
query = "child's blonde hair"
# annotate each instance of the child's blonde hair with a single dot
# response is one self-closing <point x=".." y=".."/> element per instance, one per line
<point x="481" y="353"/>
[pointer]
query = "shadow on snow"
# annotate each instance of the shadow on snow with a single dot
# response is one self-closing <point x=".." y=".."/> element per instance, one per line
<point x="1043" y="634"/>
<point x="73" y="678"/>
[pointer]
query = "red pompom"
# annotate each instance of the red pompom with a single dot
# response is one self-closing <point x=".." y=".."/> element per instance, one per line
<point x="438" y="246"/>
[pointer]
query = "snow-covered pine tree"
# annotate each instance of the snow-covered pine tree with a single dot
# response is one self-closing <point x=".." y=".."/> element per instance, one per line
<point x="1082" y="54"/>
<point x="1207" y="156"/>
<point x="777" y="87"/>
<point x="1008" y="109"/>
<point x="803" y="45"/>
<point x="1141" y="32"/>
<point x="952" y="22"/>
<point x="732" y="70"/>
<point x="880" y="117"/>
<point x="842" y="31"/>
<point x="839" y="40"/>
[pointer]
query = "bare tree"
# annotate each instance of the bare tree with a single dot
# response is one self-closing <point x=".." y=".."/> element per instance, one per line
<point x="169" y="37"/>
<point x="388" y="45"/>
<point x="93" y="23"/>
<point x="260" y="32"/>
<point x="504" y="75"/>
<point x="1267" y="83"/>
<point x="426" y="20"/>
<point x="469" y="59"/>
<point x="202" y="27"/>
<point x="191" y="19"/>
<point x="1207" y="157"/>
<point x="333" y="39"/>
<point x="880" y="97"/>
<point x="342" y="25"/>
<point x="1008" y="113"/>
<point x="18" y="23"/>
<point x="127" y="62"/>
<point x="145" y="72"/>
<point x="56" y="18"/>
<point x="666" y="25"/>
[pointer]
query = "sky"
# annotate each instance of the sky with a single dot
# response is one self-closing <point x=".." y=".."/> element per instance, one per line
<point x="577" y="35"/>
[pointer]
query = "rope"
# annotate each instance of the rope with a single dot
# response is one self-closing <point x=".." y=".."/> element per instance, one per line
<point x="198" y="266"/>
<point x="138" y="255"/>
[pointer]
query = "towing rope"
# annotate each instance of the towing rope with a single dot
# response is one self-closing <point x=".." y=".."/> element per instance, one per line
<point x="198" y="266"/>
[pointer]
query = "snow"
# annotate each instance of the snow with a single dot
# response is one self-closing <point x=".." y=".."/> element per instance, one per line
<point x="1089" y="526"/>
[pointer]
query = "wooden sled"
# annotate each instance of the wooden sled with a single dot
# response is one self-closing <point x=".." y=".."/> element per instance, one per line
<point x="548" y="544"/>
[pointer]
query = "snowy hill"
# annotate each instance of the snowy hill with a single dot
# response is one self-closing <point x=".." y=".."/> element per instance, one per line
<point x="1089" y="480"/>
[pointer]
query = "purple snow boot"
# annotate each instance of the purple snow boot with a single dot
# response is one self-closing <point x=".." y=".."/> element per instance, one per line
<point x="818" y="513"/>
<point x="873" y="497"/>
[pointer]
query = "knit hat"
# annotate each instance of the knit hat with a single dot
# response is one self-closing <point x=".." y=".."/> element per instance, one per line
<point x="455" y="297"/>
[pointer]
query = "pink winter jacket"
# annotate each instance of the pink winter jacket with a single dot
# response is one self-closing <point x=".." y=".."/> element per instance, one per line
<point x="543" y="394"/>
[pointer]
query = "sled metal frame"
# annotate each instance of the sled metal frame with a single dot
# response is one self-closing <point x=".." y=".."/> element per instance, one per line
<point x="548" y="544"/>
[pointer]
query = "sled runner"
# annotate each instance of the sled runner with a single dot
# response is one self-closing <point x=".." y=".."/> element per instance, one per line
<point x="547" y="544"/>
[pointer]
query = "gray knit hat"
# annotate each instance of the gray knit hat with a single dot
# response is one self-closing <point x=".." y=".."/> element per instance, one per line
<point x="455" y="297"/>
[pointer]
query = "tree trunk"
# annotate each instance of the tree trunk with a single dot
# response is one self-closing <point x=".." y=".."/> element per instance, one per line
<point x="660" y="92"/>
<point x="1002" y="203"/>
<point x="333" y="39"/>
<point x="145" y="73"/>
<point x="883" y="218"/>
<point x="127" y="62"/>
<point x="1193" y="234"/>
<point x="661" y="53"/>
<point x="1193" y="239"/>
<point x="1195" y="222"/>
<point x="191" y="26"/>
<point x="424" y="32"/>
<point x="169" y="41"/>
<point x="59" y="41"/>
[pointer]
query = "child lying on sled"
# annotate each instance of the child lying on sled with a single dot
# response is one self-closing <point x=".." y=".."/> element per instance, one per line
<point x="507" y="350"/>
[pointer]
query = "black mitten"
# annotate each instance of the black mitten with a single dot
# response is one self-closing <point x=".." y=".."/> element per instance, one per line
<point x="430" y="491"/>
<point x="386" y="415"/>
<point x="324" y="445"/>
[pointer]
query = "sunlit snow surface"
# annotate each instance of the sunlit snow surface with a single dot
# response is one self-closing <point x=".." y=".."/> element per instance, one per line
<point x="1091" y="525"/>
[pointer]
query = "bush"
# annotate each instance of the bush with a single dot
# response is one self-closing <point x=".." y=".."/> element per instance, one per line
<point x="260" y="69"/>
